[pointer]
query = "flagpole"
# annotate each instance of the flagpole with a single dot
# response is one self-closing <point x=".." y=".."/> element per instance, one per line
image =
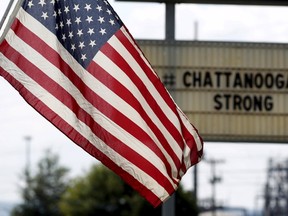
<point x="6" y="13"/>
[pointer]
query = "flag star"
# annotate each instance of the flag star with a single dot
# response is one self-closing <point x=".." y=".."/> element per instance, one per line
<point x="64" y="37"/>
<point x="52" y="2"/>
<point x="42" y="2"/>
<point x="106" y="2"/>
<point x="88" y="7"/>
<point x="73" y="47"/>
<point x="54" y="14"/>
<point x="83" y="57"/>
<point x="70" y="35"/>
<point x="89" y="19"/>
<point x="78" y="20"/>
<point x="102" y="31"/>
<point x="56" y="26"/>
<point x="81" y="45"/>
<point x="101" y="19"/>
<point x="66" y="10"/>
<point x="109" y="11"/>
<point x="30" y="4"/>
<point x="92" y="43"/>
<point x="44" y="15"/>
<point x="112" y="22"/>
<point x="61" y="24"/>
<point x="76" y="7"/>
<point x="91" y="31"/>
<point x="59" y="11"/>
<point x="68" y="22"/>
<point x="80" y="32"/>
<point x="99" y="8"/>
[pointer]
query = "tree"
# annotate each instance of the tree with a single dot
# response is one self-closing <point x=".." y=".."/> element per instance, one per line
<point x="43" y="191"/>
<point x="101" y="192"/>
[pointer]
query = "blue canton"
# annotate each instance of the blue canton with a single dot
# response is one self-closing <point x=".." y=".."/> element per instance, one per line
<point x="82" y="27"/>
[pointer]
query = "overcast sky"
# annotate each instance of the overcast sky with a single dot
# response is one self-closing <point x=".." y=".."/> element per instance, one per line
<point x="243" y="171"/>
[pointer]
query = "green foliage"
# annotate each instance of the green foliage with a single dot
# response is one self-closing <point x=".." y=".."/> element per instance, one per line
<point x="101" y="192"/>
<point x="43" y="191"/>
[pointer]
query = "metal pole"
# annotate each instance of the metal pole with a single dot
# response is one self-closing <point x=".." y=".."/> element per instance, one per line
<point x="195" y="30"/>
<point x="195" y="192"/>
<point x="168" y="208"/>
<point x="6" y="13"/>
<point x="170" y="21"/>
<point x="28" y="140"/>
<point x="17" y="4"/>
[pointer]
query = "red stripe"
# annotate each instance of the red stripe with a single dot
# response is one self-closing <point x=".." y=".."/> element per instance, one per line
<point x="94" y="99"/>
<point x="98" y="102"/>
<point x="54" y="58"/>
<point x="66" y="99"/>
<point x="69" y="131"/>
<point x="126" y="95"/>
<point x="111" y="53"/>
<point x="157" y="84"/>
<point x="188" y="137"/>
<point x="114" y="85"/>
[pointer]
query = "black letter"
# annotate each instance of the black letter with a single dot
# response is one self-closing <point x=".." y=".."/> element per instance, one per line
<point x="218" y="74"/>
<point x="268" y="102"/>
<point x="280" y="81"/>
<point x="258" y="80"/>
<point x="197" y="79"/>
<point x="208" y="80"/>
<point x="237" y="81"/>
<point x="185" y="82"/>
<point x="227" y="97"/>
<point x="237" y="100"/>
<point x="257" y="103"/>
<point x="218" y="105"/>
<point x="269" y="80"/>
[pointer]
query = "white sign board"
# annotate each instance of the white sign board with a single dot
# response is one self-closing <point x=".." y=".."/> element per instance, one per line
<point x="230" y="91"/>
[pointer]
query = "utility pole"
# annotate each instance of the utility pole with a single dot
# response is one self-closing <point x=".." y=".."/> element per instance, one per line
<point x="214" y="180"/>
<point x="276" y="189"/>
<point x="28" y="141"/>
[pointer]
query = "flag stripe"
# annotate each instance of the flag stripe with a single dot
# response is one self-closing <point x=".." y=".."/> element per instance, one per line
<point x="126" y="95"/>
<point x="64" y="96"/>
<point x="56" y="106"/>
<point x="151" y="120"/>
<point x="92" y="82"/>
<point x="148" y="76"/>
<point x="73" y="134"/>
<point x="41" y="46"/>
<point x="124" y="71"/>
<point x="146" y="81"/>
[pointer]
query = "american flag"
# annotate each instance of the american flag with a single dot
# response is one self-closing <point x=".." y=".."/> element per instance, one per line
<point x="75" y="62"/>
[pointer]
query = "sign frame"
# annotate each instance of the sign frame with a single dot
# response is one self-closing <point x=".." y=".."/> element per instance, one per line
<point x="233" y="2"/>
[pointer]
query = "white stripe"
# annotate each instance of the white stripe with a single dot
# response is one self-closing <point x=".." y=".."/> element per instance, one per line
<point x="123" y="29"/>
<point x="55" y="74"/>
<point x="143" y="76"/>
<point x="67" y="115"/>
<point x="112" y="98"/>
<point x="181" y="114"/>
<point x="187" y="150"/>
<point x="90" y="81"/>
<point x="118" y="74"/>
